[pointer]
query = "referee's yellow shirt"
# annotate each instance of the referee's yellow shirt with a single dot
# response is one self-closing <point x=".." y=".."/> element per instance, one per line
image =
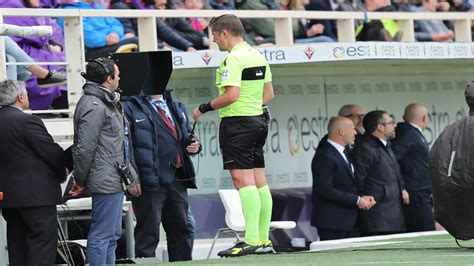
<point x="246" y="68"/>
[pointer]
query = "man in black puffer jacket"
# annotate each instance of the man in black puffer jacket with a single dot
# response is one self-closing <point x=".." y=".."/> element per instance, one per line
<point x="162" y="147"/>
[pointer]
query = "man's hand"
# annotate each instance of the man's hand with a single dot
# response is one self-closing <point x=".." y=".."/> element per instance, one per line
<point x="54" y="48"/>
<point x="315" y="30"/>
<point x="129" y="35"/>
<point x="112" y="39"/>
<point x="366" y="202"/>
<point x="135" y="190"/>
<point x="405" y="197"/>
<point x="193" y="147"/>
<point x="191" y="49"/>
<point x="76" y="189"/>
<point x="196" y="113"/>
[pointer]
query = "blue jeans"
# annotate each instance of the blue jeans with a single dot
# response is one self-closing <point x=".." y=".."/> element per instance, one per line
<point x="106" y="228"/>
<point x="320" y="38"/>
<point x="16" y="54"/>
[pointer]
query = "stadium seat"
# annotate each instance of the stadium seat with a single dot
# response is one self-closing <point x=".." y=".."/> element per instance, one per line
<point x="126" y="48"/>
<point x="234" y="217"/>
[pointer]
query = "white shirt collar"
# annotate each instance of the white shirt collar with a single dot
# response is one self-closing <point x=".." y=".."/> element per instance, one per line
<point x="14" y="106"/>
<point x="384" y="142"/>
<point x="338" y="147"/>
<point x="417" y="127"/>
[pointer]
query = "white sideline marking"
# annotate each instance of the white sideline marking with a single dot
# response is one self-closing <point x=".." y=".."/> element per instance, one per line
<point x="335" y="243"/>
<point x="402" y="262"/>
<point x="330" y="246"/>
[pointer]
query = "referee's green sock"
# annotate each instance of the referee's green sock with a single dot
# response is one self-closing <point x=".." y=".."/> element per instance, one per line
<point x="265" y="214"/>
<point x="250" y="199"/>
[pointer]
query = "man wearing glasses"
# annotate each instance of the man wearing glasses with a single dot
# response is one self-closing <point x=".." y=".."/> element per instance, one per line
<point x="355" y="113"/>
<point x="379" y="175"/>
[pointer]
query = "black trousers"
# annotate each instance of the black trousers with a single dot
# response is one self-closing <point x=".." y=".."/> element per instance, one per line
<point x="419" y="213"/>
<point x="168" y="204"/>
<point x="325" y="234"/>
<point x="32" y="235"/>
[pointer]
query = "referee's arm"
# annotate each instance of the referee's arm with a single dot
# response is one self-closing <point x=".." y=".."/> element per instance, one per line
<point x="268" y="93"/>
<point x="230" y="95"/>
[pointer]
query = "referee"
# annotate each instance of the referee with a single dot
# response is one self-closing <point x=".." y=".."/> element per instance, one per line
<point x="244" y="82"/>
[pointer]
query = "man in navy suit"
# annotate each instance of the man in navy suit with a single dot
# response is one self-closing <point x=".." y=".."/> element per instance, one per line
<point x="336" y="192"/>
<point x="411" y="149"/>
<point x="32" y="168"/>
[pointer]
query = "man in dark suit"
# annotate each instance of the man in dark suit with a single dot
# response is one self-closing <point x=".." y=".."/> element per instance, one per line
<point x="379" y="175"/>
<point x="411" y="149"/>
<point x="336" y="193"/>
<point x="32" y="168"/>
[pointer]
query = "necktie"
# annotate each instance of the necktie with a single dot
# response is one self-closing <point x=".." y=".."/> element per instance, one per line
<point x="170" y="125"/>
<point x="166" y="119"/>
<point x="348" y="157"/>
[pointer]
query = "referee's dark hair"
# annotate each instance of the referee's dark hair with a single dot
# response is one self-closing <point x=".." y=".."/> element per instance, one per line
<point x="372" y="120"/>
<point x="228" y="22"/>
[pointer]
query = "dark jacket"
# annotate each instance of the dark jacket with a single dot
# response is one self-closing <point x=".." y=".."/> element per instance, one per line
<point x="335" y="190"/>
<point x="99" y="139"/>
<point x="32" y="165"/>
<point x="155" y="148"/>
<point x="164" y="31"/>
<point x="183" y="27"/>
<point x="451" y="158"/>
<point x="411" y="150"/>
<point x="380" y="177"/>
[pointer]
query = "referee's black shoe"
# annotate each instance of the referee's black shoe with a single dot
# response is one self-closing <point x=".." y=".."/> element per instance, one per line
<point x="240" y="249"/>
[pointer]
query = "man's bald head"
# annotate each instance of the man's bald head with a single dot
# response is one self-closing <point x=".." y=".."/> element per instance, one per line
<point x="417" y="114"/>
<point x="341" y="130"/>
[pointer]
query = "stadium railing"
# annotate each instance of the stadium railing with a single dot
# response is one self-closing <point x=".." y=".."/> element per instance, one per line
<point x="75" y="59"/>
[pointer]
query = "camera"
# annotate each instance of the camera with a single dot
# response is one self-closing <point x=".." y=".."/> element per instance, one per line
<point x="191" y="139"/>
<point x="126" y="174"/>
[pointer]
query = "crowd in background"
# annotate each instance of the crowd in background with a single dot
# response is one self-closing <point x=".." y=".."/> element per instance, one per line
<point x="107" y="35"/>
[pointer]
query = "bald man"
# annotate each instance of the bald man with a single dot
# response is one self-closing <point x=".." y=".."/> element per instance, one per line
<point x="336" y="191"/>
<point x="411" y="149"/>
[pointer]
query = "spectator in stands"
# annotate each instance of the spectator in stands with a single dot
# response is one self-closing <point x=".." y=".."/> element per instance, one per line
<point x="192" y="29"/>
<point x="42" y="49"/>
<point x="100" y="146"/>
<point x="261" y="30"/>
<point x="302" y="32"/>
<point x="336" y="189"/>
<point x="32" y="170"/>
<point x="222" y="4"/>
<point x="330" y="27"/>
<point x="356" y="114"/>
<point x="162" y="152"/>
<point x="432" y="30"/>
<point x="458" y="6"/>
<point x="45" y="77"/>
<point x="379" y="30"/>
<point x="165" y="32"/>
<point x="411" y="149"/>
<point x="379" y="175"/>
<point x="102" y="36"/>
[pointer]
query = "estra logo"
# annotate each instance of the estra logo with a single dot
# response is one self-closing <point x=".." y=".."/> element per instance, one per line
<point x="350" y="51"/>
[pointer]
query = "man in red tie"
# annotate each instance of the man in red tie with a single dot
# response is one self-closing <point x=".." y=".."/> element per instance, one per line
<point x="162" y="143"/>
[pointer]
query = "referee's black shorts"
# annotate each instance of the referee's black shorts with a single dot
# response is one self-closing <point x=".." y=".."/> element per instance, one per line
<point x="241" y="140"/>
